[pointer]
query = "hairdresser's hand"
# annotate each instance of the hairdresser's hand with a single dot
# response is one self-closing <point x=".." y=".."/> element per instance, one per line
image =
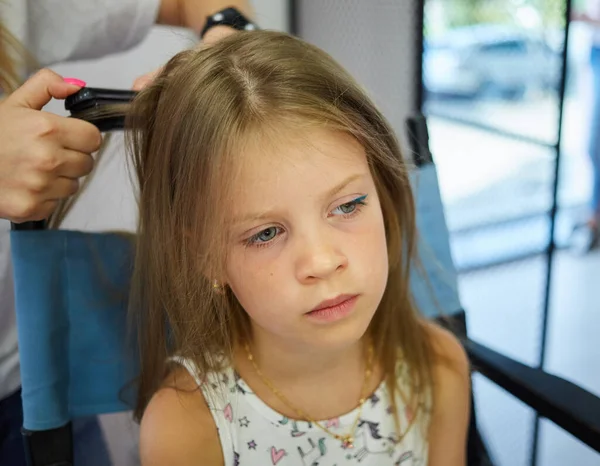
<point x="212" y="35"/>
<point x="192" y="14"/>
<point x="42" y="155"/>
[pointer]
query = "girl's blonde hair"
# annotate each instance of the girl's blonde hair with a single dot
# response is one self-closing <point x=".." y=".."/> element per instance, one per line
<point x="11" y="53"/>
<point x="15" y="60"/>
<point x="188" y="130"/>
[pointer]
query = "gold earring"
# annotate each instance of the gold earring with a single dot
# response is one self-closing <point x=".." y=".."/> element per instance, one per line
<point x="217" y="287"/>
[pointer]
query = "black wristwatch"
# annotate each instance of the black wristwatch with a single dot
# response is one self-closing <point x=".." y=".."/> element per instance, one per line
<point x="228" y="17"/>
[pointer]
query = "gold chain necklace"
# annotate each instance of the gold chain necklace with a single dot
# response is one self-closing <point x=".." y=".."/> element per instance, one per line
<point x="347" y="439"/>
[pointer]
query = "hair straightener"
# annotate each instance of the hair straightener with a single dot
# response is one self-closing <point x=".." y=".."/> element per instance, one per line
<point x="87" y="104"/>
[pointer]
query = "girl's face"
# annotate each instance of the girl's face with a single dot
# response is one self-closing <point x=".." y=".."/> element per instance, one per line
<point x="308" y="233"/>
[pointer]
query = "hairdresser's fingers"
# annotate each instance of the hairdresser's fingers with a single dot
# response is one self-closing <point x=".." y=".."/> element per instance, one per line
<point x="61" y="188"/>
<point x="217" y="33"/>
<point x="27" y="208"/>
<point x="44" y="186"/>
<point x="73" y="164"/>
<point x="78" y="135"/>
<point x="38" y="90"/>
<point x="40" y="211"/>
<point x="142" y="81"/>
<point x="47" y="208"/>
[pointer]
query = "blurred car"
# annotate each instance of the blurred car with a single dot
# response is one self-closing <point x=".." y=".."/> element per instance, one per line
<point x="482" y="60"/>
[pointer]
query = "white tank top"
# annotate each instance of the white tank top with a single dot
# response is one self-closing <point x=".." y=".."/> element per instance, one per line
<point x="253" y="434"/>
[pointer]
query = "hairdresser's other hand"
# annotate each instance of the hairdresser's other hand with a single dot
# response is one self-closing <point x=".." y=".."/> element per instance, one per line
<point x="42" y="155"/>
<point x="212" y="35"/>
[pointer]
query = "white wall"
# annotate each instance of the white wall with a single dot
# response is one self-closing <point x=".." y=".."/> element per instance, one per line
<point x="375" y="40"/>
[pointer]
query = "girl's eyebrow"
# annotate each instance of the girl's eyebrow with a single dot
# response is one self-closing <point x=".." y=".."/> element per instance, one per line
<point x="272" y="213"/>
<point x="336" y="189"/>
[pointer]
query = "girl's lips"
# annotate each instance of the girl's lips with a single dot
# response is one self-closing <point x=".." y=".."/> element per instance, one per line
<point x="340" y="308"/>
<point x="333" y="302"/>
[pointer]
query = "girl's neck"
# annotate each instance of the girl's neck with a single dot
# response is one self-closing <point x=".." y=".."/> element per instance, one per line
<point x="288" y="363"/>
<point x="322" y="383"/>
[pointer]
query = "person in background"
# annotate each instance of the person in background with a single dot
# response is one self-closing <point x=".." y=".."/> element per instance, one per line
<point x="42" y="155"/>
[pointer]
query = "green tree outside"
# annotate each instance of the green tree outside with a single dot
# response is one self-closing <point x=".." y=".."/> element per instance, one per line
<point x="468" y="12"/>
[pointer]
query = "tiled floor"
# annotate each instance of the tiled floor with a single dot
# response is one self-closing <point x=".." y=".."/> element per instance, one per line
<point x="504" y="307"/>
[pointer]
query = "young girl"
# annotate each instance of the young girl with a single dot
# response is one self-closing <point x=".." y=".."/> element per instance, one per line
<point x="277" y="228"/>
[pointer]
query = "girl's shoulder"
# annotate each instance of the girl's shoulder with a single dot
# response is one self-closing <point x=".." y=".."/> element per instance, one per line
<point x="448" y="352"/>
<point x="179" y="416"/>
<point x="451" y="399"/>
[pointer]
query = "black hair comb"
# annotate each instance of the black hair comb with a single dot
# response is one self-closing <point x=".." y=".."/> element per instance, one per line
<point x="82" y="103"/>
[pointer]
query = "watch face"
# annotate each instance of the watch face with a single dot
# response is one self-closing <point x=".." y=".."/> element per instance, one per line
<point x="229" y="17"/>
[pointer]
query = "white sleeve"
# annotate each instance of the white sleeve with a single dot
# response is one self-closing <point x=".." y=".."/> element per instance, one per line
<point x="61" y="30"/>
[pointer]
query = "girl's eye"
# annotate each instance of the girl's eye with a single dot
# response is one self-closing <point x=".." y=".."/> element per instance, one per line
<point x="350" y="208"/>
<point x="264" y="236"/>
<point x="267" y="235"/>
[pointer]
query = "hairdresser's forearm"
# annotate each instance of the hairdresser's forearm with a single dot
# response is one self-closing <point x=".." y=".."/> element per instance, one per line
<point x="192" y="13"/>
